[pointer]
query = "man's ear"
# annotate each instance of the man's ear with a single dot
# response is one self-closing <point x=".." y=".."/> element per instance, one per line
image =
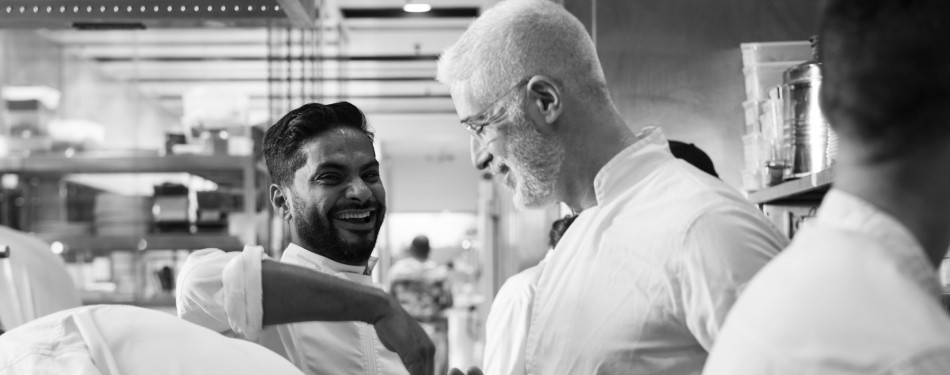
<point x="544" y="102"/>
<point x="281" y="202"/>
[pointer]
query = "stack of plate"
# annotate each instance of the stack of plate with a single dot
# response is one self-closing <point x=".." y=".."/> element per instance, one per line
<point x="120" y="215"/>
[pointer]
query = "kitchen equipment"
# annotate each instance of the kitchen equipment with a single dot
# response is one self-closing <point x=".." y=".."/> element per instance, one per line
<point x="806" y="131"/>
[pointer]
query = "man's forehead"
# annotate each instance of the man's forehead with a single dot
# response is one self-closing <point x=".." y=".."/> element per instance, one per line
<point x="464" y="99"/>
<point x="340" y="146"/>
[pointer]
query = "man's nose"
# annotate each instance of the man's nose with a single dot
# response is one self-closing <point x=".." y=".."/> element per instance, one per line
<point x="480" y="155"/>
<point x="358" y="191"/>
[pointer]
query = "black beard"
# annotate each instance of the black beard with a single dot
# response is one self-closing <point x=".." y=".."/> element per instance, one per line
<point x="321" y="237"/>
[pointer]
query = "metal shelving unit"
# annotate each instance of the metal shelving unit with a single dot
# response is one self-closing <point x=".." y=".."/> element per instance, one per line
<point x="806" y="189"/>
<point x="232" y="172"/>
<point x="104" y="244"/>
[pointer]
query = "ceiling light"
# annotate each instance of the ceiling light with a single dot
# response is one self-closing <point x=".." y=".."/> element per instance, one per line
<point x="416" y="8"/>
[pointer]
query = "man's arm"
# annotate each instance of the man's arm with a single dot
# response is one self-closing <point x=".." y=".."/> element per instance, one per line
<point x="295" y="294"/>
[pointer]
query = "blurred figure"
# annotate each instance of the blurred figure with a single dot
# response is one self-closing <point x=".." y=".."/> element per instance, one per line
<point x="856" y="292"/>
<point x="115" y="339"/>
<point x="422" y="288"/>
<point x="506" y="329"/>
<point x="33" y="281"/>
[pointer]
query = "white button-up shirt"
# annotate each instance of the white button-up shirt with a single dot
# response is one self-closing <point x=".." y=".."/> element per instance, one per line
<point x="222" y="291"/>
<point x="506" y="331"/>
<point x="853" y="294"/>
<point x="641" y="283"/>
<point x="119" y="340"/>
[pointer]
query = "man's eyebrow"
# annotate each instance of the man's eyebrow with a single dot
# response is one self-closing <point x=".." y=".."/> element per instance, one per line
<point x="327" y="165"/>
<point x="374" y="163"/>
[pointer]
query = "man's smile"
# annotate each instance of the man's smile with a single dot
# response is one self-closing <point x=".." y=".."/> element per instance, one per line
<point x="358" y="220"/>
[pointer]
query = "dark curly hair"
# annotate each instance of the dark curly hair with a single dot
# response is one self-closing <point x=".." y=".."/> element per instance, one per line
<point x="558" y="228"/>
<point x="283" y="141"/>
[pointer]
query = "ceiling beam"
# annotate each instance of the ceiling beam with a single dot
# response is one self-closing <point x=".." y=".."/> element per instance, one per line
<point x="301" y="13"/>
<point x="265" y="58"/>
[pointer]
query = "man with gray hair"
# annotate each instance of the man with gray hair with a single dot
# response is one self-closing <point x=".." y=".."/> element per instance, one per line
<point x="660" y="250"/>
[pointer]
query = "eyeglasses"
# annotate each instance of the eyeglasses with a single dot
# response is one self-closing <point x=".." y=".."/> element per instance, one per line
<point x="475" y="123"/>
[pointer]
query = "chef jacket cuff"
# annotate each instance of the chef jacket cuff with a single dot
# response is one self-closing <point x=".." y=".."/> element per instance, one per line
<point x="243" y="300"/>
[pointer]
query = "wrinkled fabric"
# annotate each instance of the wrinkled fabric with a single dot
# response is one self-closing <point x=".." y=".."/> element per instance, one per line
<point x="119" y="340"/>
<point x="41" y="284"/>
<point x="222" y="291"/>
<point x="641" y="283"/>
<point x="506" y="330"/>
<point x="854" y="294"/>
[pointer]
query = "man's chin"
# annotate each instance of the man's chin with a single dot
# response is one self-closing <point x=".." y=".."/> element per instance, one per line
<point x="524" y="200"/>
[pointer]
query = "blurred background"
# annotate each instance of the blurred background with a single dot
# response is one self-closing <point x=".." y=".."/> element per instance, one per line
<point x="130" y="129"/>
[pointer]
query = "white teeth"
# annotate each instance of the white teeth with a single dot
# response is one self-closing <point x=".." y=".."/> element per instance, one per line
<point x="352" y="215"/>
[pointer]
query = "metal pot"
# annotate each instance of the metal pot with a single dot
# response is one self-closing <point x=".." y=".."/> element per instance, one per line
<point x="808" y="139"/>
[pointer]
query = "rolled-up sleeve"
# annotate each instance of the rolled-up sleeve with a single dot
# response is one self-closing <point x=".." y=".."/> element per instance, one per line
<point x="222" y="291"/>
<point x="722" y="250"/>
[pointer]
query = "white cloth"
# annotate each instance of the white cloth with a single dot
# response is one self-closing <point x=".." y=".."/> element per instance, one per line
<point x="853" y="294"/>
<point x="222" y="291"/>
<point x="119" y="340"/>
<point x="506" y="331"/>
<point x="41" y="284"/>
<point x="641" y="283"/>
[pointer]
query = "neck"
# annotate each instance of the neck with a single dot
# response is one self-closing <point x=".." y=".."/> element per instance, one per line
<point x="599" y="136"/>
<point x="911" y="190"/>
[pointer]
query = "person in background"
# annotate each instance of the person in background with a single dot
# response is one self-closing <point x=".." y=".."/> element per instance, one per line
<point x="417" y="264"/>
<point x="506" y="328"/>
<point x="693" y="155"/>
<point x="33" y="281"/>
<point x="422" y="288"/>
<point x="857" y="292"/>
<point x="660" y="250"/>
<point x="510" y="315"/>
<point x="328" y="189"/>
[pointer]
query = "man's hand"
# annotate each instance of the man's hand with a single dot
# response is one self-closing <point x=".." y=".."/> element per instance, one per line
<point x="471" y="371"/>
<point x="400" y="333"/>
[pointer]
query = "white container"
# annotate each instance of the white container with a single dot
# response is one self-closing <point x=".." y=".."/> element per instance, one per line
<point x="754" y="54"/>
<point x="751" y="180"/>
<point x="753" y="113"/>
<point x="771" y="120"/>
<point x="762" y="78"/>
<point x="757" y="151"/>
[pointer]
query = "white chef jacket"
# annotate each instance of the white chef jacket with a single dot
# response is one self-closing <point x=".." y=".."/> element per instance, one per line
<point x="642" y="282"/>
<point x="506" y="331"/>
<point x="854" y="294"/>
<point x="222" y="291"/>
<point x="116" y="340"/>
<point x="41" y="285"/>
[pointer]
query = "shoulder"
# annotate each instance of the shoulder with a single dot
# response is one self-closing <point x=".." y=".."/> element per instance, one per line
<point x="827" y="292"/>
<point x="518" y="289"/>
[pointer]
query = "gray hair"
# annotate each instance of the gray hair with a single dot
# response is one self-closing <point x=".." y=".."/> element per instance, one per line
<point x="516" y="39"/>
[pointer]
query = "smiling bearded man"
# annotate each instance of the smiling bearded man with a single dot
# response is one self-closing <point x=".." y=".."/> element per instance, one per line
<point x="328" y="189"/>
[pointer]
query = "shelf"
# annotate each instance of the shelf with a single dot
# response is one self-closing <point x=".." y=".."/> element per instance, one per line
<point x="218" y="168"/>
<point x="152" y="242"/>
<point x="806" y="189"/>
